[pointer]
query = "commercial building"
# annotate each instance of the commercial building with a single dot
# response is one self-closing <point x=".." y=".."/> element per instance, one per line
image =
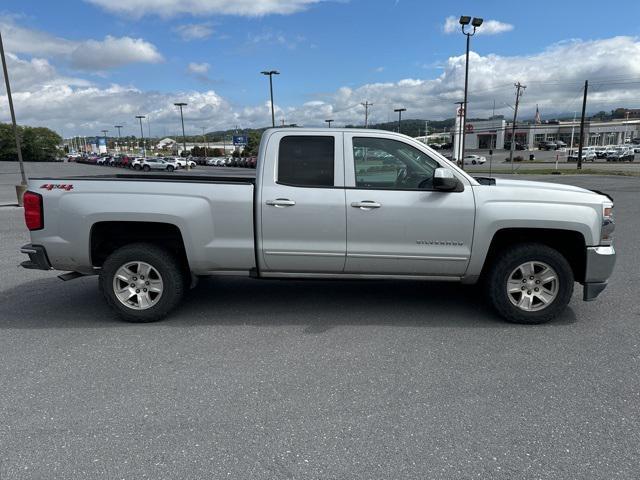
<point x="494" y="133"/>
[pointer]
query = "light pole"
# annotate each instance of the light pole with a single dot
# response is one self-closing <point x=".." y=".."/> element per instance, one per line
<point x="184" y="138"/>
<point x="329" y="122"/>
<point x="20" y="189"/>
<point x="119" y="137"/>
<point x="475" y="23"/>
<point x="144" y="150"/>
<point x="106" y="144"/>
<point x="271" y="73"/>
<point x="399" y="110"/>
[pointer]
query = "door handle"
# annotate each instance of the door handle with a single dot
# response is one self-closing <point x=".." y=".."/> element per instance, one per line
<point x="366" y="205"/>
<point x="281" y="202"/>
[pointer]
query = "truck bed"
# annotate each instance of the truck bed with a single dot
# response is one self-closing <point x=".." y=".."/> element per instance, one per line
<point x="245" y="176"/>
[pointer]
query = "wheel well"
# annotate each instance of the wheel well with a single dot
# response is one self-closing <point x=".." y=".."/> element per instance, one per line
<point x="569" y="243"/>
<point x="107" y="237"/>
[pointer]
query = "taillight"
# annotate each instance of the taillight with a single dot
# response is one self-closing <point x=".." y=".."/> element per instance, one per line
<point x="33" y="213"/>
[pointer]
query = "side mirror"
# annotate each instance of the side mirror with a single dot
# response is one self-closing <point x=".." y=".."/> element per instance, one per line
<point x="444" y="180"/>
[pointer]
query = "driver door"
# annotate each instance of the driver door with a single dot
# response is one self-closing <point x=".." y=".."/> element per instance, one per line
<point x="396" y="224"/>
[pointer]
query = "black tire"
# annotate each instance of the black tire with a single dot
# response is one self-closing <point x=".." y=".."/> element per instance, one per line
<point x="473" y="162"/>
<point x="170" y="168"/>
<point x="160" y="259"/>
<point x="146" y="168"/>
<point x="510" y="259"/>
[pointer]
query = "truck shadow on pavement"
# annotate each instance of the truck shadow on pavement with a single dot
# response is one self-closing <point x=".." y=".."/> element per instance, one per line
<point x="316" y="304"/>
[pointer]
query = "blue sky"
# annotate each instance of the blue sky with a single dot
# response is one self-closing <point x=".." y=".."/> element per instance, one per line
<point x="330" y="54"/>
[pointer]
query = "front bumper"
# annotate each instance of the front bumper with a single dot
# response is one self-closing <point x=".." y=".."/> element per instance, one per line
<point x="38" y="259"/>
<point x="599" y="267"/>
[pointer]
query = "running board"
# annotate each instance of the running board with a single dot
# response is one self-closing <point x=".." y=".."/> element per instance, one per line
<point x="65" y="277"/>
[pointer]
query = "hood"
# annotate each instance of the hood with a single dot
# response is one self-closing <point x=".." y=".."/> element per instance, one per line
<point x="507" y="182"/>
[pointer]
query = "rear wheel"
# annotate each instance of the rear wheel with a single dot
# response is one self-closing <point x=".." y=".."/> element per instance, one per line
<point x="530" y="283"/>
<point x="146" y="168"/>
<point x="141" y="282"/>
<point x="170" y="168"/>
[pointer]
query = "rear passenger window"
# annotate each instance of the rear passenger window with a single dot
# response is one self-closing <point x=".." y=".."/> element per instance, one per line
<point x="306" y="161"/>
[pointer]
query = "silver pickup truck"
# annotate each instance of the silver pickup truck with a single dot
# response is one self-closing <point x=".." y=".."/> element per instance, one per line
<point x="325" y="203"/>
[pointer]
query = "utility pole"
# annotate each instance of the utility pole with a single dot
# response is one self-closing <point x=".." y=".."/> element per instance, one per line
<point x="399" y="110"/>
<point x="584" y="108"/>
<point x="329" y="122"/>
<point x="144" y="149"/>
<point x="20" y="189"/>
<point x="426" y="131"/>
<point x="366" y="106"/>
<point x="206" y="141"/>
<point x="519" y="91"/>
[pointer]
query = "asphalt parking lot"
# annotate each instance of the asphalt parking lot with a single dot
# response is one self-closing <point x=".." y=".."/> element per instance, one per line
<point x="318" y="379"/>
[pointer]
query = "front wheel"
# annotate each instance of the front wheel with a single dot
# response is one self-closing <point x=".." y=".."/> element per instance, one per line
<point x="141" y="282"/>
<point x="146" y="168"/>
<point x="530" y="283"/>
<point x="170" y="168"/>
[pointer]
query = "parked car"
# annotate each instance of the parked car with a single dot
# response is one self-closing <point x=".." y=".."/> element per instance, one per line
<point x="136" y="164"/>
<point x="560" y="144"/>
<point x="548" y="146"/>
<point x="182" y="162"/>
<point x="309" y="214"/>
<point x="517" y="146"/>
<point x="103" y="161"/>
<point x="216" y="161"/>
<point x="252" y="162"/>
<point x="621" y="154"/>
<point x="157" y="164"/>
<point x="474" y="159"/>
<point x="587" y="156"/>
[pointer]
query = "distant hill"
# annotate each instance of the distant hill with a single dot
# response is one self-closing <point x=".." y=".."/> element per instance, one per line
<point x="412" y="127"/>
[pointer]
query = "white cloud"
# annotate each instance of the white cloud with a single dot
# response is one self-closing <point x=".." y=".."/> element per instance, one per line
<point x="488" y="27"/>
<point x="84" y="55"/>
<point x="170" y="8"/>
<point x="113" y="52"/>
<point x="554" y="78"/>
<point x="194" y="31"/>
<point x="200" y="68"/>
<point x="492" y="27"/>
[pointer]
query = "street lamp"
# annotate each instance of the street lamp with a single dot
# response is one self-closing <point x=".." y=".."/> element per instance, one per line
<point x="399" y="110"/>
<point x="184" y="139"/>
<point x="144" y="150"/>
<point x="475" y="23"/>
<point x="271" y="73"/>
<point x="329" y="122"/>
<point x="106" y="145"/>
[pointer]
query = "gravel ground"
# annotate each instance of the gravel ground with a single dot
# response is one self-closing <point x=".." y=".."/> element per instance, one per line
<point x="317" y="379"/>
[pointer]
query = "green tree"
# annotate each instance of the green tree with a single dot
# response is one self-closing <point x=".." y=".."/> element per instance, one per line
<point x="39" y="144"/>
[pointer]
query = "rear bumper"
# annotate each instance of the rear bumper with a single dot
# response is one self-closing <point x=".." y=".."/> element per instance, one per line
<point x="600" y="263"/>
<point x="38" y="259"/>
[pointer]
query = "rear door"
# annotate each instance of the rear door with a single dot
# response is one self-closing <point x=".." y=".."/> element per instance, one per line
<point x="396" y="224"/>
<point x="302" y="201"/>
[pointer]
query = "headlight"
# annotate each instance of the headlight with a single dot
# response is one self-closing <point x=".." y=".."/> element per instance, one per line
<point x="608" y="225"/>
